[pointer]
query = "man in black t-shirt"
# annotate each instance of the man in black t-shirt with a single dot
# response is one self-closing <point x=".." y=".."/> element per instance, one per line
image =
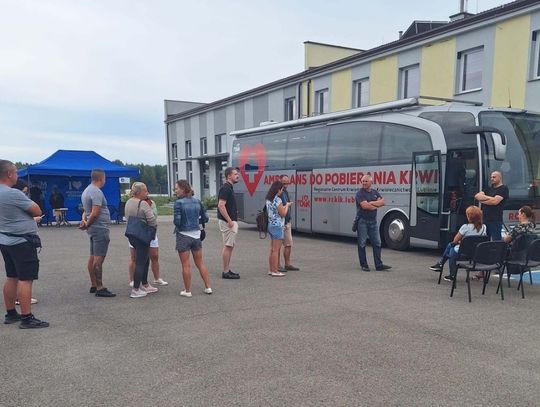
<point x="493" y="199"/>
<point x="227" y="220"/>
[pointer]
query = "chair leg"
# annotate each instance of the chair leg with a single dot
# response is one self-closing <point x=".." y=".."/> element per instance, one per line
<point x="508" y="275"/>
<point x="530" y="276"/>
<point x="453" y="285"/>
<point x="522" y="285"/>
<point x="440" y="276"/>
<point x="485" y="280"/>
<point x="469" y="286"/>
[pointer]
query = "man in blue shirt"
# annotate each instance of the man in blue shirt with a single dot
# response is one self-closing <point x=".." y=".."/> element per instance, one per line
<point x="367" y="202"/>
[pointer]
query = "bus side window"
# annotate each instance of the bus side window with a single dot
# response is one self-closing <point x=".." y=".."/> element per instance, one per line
<point x="399" y="142"/>
<point x="306" y="149"/>
<point x="354" y="144"/>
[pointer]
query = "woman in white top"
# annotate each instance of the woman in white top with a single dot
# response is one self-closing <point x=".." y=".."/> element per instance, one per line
<point x="475" y="227"/>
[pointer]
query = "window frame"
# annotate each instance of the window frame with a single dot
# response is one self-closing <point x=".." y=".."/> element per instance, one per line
<point x="219" y="138"/>
<point x="404" y="73"/>
<point x="174" y="151"/>
<point x="462" y="80"/>
<point x="322" y="102"/>
<point x="189" y="172"/>
<point x="189" y="152"/>
<point x="358" y="86"/>
<point x="204" y="145"/>
<point x="289" y="113"/>
<point x="535" y="62"/>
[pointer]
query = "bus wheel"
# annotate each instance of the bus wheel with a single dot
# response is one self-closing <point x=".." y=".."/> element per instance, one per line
<point x="396" y="232"/>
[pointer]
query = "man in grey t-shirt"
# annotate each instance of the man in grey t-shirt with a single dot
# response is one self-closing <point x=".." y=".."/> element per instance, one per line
<point x="18" y="215"/>
<point x="95" y="221"/>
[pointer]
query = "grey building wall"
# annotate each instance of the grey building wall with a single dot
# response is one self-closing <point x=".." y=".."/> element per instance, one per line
<point x="276" y="106"/>
<point x="260" y="109"/>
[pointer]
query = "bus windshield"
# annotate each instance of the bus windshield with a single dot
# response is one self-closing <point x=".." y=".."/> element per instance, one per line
<point x="521" y="168"/>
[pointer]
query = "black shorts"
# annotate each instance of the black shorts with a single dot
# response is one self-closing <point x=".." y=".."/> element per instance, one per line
<point x="21" y="261"/>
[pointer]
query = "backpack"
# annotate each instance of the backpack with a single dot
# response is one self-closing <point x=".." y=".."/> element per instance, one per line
<point x="262" y="222"/>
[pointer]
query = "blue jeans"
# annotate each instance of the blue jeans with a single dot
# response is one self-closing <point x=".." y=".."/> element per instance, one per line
<point x="368" y="228"/>
<point x="494" y="229"/>
<point x="451" y="255"/>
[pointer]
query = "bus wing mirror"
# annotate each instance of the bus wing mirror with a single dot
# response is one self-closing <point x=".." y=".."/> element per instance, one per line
<point x="498" y="137"/>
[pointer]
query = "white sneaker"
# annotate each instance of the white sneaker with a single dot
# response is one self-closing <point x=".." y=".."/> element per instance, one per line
<point x="160" y="281"/>
<point x="131" y="284"/>
<point x="208" y="290"/>
<point x="137" y="293"/>
<point x="276" y="274"/>
<point x="185" y="293"/>
<point x="149" y="289"/>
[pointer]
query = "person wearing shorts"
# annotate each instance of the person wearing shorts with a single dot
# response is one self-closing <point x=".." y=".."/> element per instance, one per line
<point x="189" y="212"/>
<point x="287" y="229"/>
<point x="95" y="220"/>
<point x="153" y="252"/>
<point x="228" y="220"/>
<point x="18" y="216"/>
<point x="276" y="210"/>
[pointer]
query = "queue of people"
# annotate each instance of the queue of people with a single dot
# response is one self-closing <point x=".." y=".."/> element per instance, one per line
<point x="19" y="240"/>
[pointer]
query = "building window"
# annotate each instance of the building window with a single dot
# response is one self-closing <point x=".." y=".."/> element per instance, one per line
<point x="188" y="148"/>
<point x="175" y="171"/>
<point x="174" y="149"/>
<point x="204" y="146"/>
<point x="206" y="174"/>
<point x="535" y="65"/>
<point x="321" y="102"/>
<point x="361" y="93"/>
<point x="290" y="109"/>
<point x="220" y="143"/>
<point x="189" y="172"/>
<point x="221" y="174"/>
<point x="470" y="69"/>
<point x="410" y="81"/>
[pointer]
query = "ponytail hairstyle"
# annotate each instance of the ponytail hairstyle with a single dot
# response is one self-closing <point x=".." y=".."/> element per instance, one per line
<point x="184" y="186"/>
<point x="474" y="215"/>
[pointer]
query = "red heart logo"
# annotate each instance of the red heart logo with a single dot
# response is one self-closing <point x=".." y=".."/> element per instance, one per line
<point x="258" y="152"/>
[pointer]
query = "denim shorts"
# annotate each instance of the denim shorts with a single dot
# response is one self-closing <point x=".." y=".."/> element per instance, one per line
<point x="186" y="243"/>
<point x="275" y="232"/>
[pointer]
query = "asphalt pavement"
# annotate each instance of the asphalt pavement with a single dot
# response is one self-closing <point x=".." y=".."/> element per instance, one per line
<point x="327" y="335"/>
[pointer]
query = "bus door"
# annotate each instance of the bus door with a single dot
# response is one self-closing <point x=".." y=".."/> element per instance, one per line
<point x="426" y="189"/>
<point x="302" y="203"/>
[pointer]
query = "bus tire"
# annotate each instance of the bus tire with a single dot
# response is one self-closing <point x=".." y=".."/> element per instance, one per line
<point x="396" y="231"/>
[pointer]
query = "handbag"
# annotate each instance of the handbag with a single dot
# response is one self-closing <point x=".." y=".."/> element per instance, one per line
<point x="138" y="228"/>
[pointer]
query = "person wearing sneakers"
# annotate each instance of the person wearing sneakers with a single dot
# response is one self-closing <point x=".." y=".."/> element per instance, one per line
<point x="153" y="252"/>
<point x="287" y="230"/>
<point x="17" y="219"/>
<point x="227" y="215"/>
<point x="474" y="227"/>
<point x="137" y="207"/>
<point x="368" y="200"/>
<point x="189" y="212"/>
<point x="276" y="210"/>
<point x="95" y="220"/>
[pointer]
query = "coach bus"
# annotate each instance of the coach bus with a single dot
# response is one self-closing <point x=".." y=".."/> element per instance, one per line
<point x="428" y="162"/>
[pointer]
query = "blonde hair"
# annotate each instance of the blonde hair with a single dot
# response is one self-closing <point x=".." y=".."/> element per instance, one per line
<point x="136" y="188"/>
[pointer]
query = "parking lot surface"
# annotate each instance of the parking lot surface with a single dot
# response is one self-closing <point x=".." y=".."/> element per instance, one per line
<point x="328" y="334"/>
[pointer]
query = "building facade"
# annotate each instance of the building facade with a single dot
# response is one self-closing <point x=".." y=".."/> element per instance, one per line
<point x="492" y="57"/>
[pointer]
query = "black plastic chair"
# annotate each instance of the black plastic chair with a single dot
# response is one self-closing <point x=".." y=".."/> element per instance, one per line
<point x="532" y="259"/>
<point x="466" y="250"/>
<point x="517" y="251"/>
<point x="488" y="256"/>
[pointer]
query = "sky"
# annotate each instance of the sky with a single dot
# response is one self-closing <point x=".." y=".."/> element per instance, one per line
<point x="93" y="74"/>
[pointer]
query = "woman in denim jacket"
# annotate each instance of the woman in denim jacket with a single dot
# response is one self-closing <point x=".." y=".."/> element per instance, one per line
<point x="188" y="213"/>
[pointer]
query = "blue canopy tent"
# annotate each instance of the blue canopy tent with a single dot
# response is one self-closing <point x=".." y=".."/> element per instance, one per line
<point x="69" y="172"/>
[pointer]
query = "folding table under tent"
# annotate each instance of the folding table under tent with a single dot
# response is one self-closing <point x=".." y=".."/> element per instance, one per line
<point x="69" y="172"/>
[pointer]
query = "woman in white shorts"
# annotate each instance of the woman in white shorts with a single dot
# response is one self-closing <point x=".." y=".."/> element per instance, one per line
<point x="153" y="252"/>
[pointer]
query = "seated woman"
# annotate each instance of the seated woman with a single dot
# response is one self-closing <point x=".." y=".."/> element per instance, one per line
<point x="475" y="227"/>
<point x="526" y="224"/>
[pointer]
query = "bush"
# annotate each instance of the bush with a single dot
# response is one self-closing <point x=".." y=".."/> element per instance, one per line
<point x="210" y="202"/>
